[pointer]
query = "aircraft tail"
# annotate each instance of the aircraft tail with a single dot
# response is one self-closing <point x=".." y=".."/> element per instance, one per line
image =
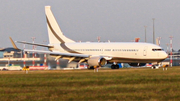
<point x="54" y="32"/>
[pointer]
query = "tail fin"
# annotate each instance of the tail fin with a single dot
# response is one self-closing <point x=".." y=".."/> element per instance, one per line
<point x="54" y="31"/>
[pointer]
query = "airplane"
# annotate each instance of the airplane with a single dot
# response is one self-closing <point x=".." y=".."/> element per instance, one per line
<point x="96" y="54"/>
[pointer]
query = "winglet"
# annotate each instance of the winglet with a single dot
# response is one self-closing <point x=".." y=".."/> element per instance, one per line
<point x="14" y="45"/>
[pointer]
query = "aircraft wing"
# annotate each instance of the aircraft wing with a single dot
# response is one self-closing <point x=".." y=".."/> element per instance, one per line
<point x="35" y="44"/>
<point x="59" y="53"/>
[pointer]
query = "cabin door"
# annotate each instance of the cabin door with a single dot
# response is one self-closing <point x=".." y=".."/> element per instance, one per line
<point x="145" y="51"/>
<point x="102" y="51"/>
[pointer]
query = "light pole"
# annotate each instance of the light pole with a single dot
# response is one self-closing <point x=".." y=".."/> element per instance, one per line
<point x="45" y="58"/>
<point x="145" y="33"/>
<point x="171" y="50"/>
<point x="33" y="49"/>
<point x="24" y="55"/>
<point x="98" y="38"/>
<point x="153" y="32"/>
<point x="159" y="40"/>
<point x="167" y="48"/>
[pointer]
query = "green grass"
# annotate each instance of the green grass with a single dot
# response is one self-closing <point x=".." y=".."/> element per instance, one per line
<point x="85" y="85"/>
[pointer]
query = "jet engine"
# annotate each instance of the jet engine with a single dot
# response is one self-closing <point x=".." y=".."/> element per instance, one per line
<point x="97" y="61"/>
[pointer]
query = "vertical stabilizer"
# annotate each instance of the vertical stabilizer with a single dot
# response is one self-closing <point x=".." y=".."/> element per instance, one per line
<point x="54" y="32"/>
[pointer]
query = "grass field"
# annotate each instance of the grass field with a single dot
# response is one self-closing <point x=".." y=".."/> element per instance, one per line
<point x="85" y="85"/>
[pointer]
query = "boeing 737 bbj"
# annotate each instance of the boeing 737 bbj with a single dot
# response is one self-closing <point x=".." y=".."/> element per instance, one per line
<point x="97" y="54"/>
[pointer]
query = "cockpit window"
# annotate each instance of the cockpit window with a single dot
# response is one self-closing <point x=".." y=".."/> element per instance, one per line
<point x="157" y="49"/>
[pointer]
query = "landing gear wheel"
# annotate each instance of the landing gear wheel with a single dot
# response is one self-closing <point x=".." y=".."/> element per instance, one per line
<point x="90" y="67"/>
<point x="114" y="66"/>
<point x="117" y="66"/>
<point x="153" y="67"/>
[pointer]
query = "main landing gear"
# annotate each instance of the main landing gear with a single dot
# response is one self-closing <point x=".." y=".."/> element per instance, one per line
<point x="114" y="66"/>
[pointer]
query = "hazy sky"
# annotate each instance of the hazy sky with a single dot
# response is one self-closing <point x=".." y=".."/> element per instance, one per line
<point x="114" y="20"/>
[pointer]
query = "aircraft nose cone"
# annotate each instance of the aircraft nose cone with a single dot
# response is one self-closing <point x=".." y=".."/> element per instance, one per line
<point x="164" y="55"/>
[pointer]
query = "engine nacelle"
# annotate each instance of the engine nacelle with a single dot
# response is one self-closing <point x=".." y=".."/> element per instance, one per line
<point x="97" y="61"/>
<point x="137" y="64"/>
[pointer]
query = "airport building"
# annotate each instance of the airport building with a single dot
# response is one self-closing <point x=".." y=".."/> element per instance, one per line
<point x="14" y="58"/>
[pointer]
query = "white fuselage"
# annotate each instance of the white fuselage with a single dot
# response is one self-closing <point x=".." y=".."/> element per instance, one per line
<point x="116" y="51"/>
